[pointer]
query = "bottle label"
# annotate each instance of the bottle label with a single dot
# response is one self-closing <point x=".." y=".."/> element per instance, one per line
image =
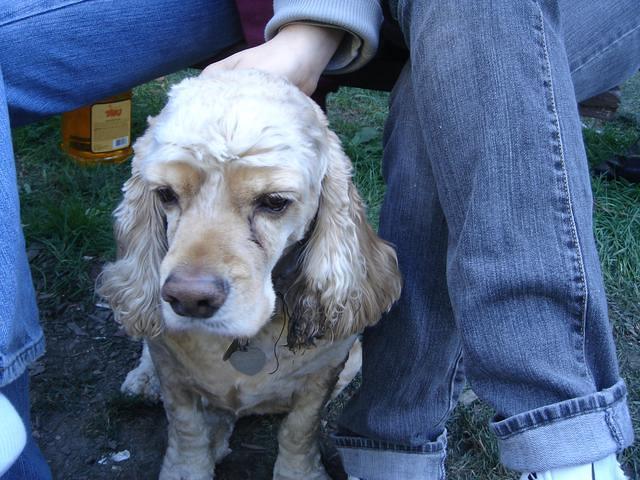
<point x="110" y="126"/>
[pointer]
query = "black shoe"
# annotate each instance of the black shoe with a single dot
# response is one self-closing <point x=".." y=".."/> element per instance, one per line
<point x="620" y="166"/>
<point x="625" y="166"/>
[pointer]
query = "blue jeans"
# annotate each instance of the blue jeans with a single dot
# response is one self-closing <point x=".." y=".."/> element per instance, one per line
<point x="56" y="55"/>
<point x="489" y="205"/>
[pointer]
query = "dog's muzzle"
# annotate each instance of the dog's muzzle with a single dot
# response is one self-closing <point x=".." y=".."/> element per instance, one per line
<point x="193" y="293"/>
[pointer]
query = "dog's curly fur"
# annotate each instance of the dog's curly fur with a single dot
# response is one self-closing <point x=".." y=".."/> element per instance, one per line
<point x="220" y="147"/>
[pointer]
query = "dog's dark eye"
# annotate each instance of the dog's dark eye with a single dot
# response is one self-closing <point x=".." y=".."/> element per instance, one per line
<point x="273" y="203"/>
<point x="167" y="196"/>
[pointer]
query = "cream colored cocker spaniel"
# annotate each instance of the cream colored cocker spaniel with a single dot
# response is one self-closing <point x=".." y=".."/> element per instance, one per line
<point x="246" y="262"/>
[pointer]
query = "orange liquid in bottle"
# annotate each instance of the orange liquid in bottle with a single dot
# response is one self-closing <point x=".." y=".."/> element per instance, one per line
<point x="99" y="133"/>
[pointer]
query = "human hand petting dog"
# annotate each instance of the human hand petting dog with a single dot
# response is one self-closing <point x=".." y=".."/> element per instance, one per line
<point x="300" y="52"/>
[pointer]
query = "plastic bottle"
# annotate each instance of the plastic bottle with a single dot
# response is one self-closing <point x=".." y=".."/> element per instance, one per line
<point x="99" y="133"/>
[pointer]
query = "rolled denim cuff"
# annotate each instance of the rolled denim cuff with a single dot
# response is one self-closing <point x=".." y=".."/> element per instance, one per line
<point x="574" y="432"/>
<point x="20" y="361"/>
<point x="377" y="460"/>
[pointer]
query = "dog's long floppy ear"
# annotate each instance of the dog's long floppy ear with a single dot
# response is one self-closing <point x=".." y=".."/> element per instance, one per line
<point x="348" y="277"/>
<point x="131" y="284"/>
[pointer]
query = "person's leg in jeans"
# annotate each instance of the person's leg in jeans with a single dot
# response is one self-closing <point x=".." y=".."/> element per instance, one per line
<point x="484" y="151"/>
<point x="21" y="339"/>
<point x="56" y="56"/>
<point x="411" y="367"/>
<point x="62" y="54"/>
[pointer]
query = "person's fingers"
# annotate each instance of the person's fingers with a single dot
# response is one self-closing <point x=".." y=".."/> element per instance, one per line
<point x="228" y="63"/>
<point x="268" y="58"/>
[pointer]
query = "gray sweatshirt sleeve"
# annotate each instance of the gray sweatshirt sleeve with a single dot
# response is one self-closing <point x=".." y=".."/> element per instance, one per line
<point x="361" y="20"/>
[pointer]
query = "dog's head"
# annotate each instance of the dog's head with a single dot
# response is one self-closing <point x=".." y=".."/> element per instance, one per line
<point x="238" y="173"/>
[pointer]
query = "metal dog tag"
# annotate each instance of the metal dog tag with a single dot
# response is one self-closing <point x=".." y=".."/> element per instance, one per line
<point x="250" y="360"/>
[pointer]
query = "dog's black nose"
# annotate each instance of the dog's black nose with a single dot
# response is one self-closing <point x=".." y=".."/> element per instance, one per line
<point x="194" y="294"/>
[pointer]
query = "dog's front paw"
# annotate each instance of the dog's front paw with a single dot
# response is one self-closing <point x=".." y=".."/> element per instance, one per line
<point x="183" y="472"/>
<point x="220" y="452"/>
<point x="142" y="381"/>
<point x="293" y="475"/>
<point x="294" y="469"/>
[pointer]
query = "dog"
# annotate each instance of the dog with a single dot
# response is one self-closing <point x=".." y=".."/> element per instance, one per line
<point x="246" y="263"/>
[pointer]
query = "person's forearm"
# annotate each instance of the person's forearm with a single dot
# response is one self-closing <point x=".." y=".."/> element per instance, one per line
<point x="299" y="52"/>
<point x="359" y="19"/>
<point x="311" y="46"/>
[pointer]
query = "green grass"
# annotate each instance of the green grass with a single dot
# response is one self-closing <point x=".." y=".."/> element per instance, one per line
<point x="66" y="212"/>
<point x="358" y="116"/>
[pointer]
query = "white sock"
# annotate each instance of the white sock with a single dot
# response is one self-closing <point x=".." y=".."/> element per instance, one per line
<point x="607" y="468"/>
<point x="13" y="436"/>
